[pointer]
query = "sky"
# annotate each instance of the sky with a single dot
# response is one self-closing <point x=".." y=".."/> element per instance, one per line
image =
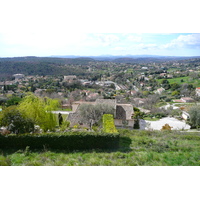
<point x="85" y="28"/>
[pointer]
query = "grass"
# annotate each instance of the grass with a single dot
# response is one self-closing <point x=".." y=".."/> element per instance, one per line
<point x="186" y="79"/>
<point x="64" y="109"/>
<point x="151" y="119"/>
<point x="148" y="148"/>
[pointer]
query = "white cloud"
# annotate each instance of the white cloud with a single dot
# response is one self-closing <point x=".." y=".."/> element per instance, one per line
<point x="146" y="46"/>
<point x="134" y="38"/>
<point x="119" y="48"/>
<point x="191" y="40"/>
<point x="107" y="39"/>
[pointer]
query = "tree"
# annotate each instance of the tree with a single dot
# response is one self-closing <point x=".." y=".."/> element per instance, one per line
<point x="91" y="114"/>
<point x="16" y="121"/>
<point x="137" y="116"/>
<point x="39" y="110"/>
<point x="194" y="119"/>
<point x="13" y="101"/>
<point x="151" y="101"/>
<point x="60" y="119"/>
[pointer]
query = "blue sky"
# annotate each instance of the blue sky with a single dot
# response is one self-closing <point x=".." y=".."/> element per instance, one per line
<point x="88" y="44"/>
<point x="45" y="28"/>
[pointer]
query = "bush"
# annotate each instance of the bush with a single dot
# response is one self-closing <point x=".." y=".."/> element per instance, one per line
<point x="194" y="119"/>
<point x="108" y="124"/>
<point x="72" y="141"/>
<point x="16" y="121"/>
<point x="64" y="125"/>
<point x="166" y="127"/>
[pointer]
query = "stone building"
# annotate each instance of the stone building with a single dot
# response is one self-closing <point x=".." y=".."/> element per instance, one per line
<point x="122" y="113"/>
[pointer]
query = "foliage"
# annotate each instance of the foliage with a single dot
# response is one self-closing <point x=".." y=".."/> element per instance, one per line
<point x="92" y="114"/>
<point x="108" y="124"/>
<point x="13" y="101"/>
<point x="146" y="148"/>
<point x="194" y="119"/>
<point x="64" y="125"/>
<point x="137" y="116"/>
<point x="16" y="121"/>
<point x="71" y="141"/>
<point x="175" y="93"/>
<point x="166" y="127"/>
<point x="39" y="110"/>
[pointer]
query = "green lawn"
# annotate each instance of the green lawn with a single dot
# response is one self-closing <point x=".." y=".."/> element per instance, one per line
<point x="186" y="79"/>
<point x="151" y="119"/>
<point x="147" y="149"/>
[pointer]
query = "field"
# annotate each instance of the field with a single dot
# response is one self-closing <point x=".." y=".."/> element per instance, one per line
<point x="181" y="80"/>
<point x="147" y="149"/>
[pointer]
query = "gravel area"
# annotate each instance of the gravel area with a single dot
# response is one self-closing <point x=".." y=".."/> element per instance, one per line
<point x="157" y="125"/>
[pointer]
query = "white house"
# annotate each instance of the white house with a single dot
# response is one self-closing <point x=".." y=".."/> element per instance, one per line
<point x="198" y="91"/>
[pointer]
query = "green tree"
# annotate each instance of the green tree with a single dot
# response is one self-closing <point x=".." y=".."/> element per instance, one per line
<point x="137" y="116"/>
<point x="39" y="110"/>
<point x="16" y="121"/>
<point x="13" y="101"/>
<point x="175" y="86"/>
<point x="194" y="119"/>
<point x="175" y="93"/>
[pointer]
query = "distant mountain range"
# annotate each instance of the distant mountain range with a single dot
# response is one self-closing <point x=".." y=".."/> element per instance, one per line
<point x="72" y="59"/>
<point x="130" y="58"/>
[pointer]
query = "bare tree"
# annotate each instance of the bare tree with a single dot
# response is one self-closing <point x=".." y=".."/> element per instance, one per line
<point x="91" y="114"/>
<point x="151" y="101"/>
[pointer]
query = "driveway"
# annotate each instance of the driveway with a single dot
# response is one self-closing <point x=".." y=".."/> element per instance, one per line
<point x="157" y="125"/>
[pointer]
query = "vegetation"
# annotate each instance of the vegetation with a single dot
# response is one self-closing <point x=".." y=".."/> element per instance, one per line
<point x="137" y="115"/>
<point x="39" y="110"/>
<point x="166" y="127"/>
<point x="147" y="84"/>
<point x="70" y="141"/>
<point x="194" y="120"/>
<point x="91" y="114"/>
<point x="16" y="121"/>
<point x="147" y="148"/>
<point x="108" y="124"/>
<point x="31" y="111"/>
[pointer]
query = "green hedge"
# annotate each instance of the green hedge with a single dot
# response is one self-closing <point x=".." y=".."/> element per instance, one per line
<point x="65" y="142"/>
<point x="108" y="124"/>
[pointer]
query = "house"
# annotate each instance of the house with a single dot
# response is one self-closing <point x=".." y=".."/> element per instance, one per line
<point x="185" y="115"/>
<point x="69" y="79"/>
<point x="148" y="88"/>
<point x="92" y="96"/>
<point x="159" y="90"/>
<point x="184" y="100"/>
<point x="18" y="76"/>
<point x="122" y="112"/>
<point x="139" y="101"/>
<point x="66" y="106"/>
<point x="187" y="100"/>
<point x="198" y="91"/>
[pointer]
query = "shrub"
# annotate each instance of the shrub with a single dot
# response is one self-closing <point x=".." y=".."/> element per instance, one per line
<point x="71" y="141"/>
<point x="194" y="119"/>
<point x="16" y="121"/>
<point x="166" y="127"/>
<point x="39" y="110"/>
<point x="64" y="125"/>
<point x="108" y="124"/>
